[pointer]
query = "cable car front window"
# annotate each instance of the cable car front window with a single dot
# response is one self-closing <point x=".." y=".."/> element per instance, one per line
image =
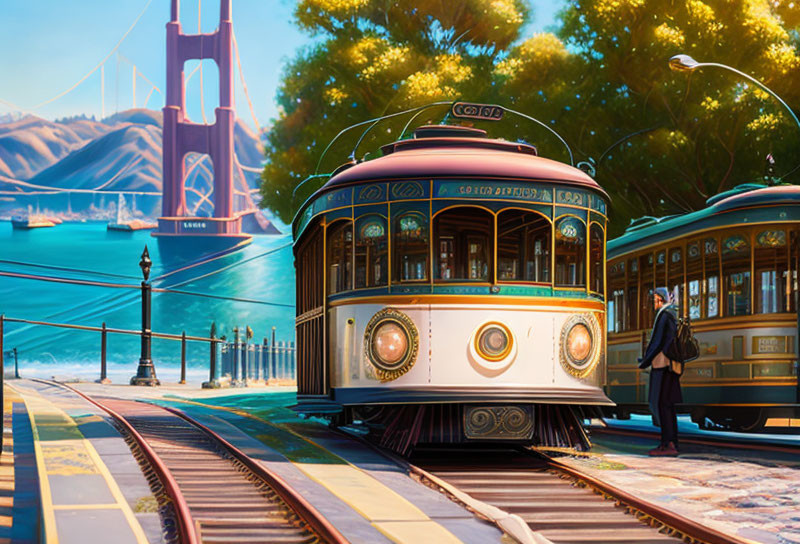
<point x="372" y="250"/>
<point x="340" y="257"/>
<point x="464" y="244"/>
<point x="570" y="235"/>
<point x="597" y="263"/>
<point x="523" y="247"/>
<point x="411" y="247"/>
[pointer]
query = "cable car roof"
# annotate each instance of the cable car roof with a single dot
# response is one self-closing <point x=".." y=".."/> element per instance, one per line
<point x="745" y="204"/>
<point x="459" y="152"/>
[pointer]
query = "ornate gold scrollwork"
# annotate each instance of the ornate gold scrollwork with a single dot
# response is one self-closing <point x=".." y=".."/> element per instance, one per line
<point x="498" y="422"/>
<point x="581" y="368"/>
<point x="391" y="370"/>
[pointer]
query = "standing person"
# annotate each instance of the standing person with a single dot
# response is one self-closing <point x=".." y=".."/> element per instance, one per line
<point x="665" y="387"/>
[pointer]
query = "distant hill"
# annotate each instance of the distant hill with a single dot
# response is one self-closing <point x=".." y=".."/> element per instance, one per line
<point x="31" y="144"/>
<point x="120" y="153"/>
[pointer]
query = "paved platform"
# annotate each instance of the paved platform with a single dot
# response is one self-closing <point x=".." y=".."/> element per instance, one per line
<point x="90" y="484"/>
<point x="752" y="494"/>
<point x="88" y="480"/>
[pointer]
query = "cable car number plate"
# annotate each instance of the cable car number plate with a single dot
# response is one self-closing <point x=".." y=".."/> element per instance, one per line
<point x="485" y="112"/>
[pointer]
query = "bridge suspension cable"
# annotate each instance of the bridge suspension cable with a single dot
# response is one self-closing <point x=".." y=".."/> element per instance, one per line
<point x="99" y="64"/>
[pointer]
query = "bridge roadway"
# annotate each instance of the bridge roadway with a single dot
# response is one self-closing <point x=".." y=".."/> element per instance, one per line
<point x="91" y="485"/>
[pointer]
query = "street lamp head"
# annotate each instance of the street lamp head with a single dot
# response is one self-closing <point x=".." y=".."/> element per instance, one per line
<point x="682" y="63"/>
<point x="145" y="264"/>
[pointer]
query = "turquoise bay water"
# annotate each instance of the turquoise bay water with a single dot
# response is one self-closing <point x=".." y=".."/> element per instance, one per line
<point x="262" y="271"/>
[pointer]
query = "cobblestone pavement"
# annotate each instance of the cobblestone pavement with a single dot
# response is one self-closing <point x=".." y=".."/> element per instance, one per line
<point x="744" y="492"/>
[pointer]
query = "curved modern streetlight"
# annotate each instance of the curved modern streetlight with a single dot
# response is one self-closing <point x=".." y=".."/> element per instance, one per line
<point x="685" y="63"/>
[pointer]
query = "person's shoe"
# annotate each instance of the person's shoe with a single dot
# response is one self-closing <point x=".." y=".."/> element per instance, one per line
<point x="656" y="451"/>
<point x="665" y="451"/>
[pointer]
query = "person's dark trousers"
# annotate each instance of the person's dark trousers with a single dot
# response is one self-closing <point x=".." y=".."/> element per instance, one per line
<point x="666" y="408"/>
<point x="656" y="379"/>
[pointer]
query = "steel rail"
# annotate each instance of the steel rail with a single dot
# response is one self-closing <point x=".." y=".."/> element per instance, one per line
<point x="681" y="524"/>
<point x="663" y="520"/>
<point x="186" y="527"/>
<point x="510" y="524"/>
<point x="320" y="525"/>
<point x="708" y="441"/>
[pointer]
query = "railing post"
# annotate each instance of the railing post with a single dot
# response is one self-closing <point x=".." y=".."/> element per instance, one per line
<point x="265" y="359"/>
<point x="16" y="364"/>
<point x="273" y="357"/>
<point x="292" y="360"/>
<point x="212" y="359"/>
<point x="183" y="357"/>
<point x="103" y="351"/>
<point x="235" y="375"/>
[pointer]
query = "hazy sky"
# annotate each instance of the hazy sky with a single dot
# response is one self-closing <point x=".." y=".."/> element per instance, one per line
<point x="47" y="46"/>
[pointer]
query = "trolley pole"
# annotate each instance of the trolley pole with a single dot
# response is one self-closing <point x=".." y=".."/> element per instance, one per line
<point x="146" y="372"/>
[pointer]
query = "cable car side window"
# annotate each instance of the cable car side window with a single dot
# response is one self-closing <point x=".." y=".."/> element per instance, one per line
<point x="523" y="247"/>
<point x="771" y="266"/>
<point x="371" y="252"/>
<point x="694" y="278"/>
<point x="597" y="263"/>
<point x="736" y="273"/>
<point x="711" y="283"/>
<point x="570" y="234"/>
<point x="463" y="247"/>
<point x="410" y="249"/>
<point x="340" y="257"/>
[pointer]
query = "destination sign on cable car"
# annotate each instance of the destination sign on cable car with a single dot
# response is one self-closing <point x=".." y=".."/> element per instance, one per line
<point x="483" y="112"/>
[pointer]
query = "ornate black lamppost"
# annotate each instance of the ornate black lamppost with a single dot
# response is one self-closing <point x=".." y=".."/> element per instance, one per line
<point x="146" y="373"/>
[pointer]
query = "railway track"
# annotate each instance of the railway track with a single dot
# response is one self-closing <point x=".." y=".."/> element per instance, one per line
<point x="557" y="502"/>
<point x="705" y="440"/>
<point x="218" y="494"/>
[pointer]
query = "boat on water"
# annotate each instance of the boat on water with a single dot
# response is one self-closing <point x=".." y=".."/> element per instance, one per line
<point x="34" y="220"/>
<point x="125" y="223"/>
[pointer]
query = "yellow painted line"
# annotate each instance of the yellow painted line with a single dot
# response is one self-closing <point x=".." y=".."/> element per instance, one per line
<point x="416" y="531"/>
<point x="362" y="492"/>
<point x="383" y="507"/>
<point x="85" y="506"/>
<point x="51" y="417"/>
<point x="48" y="514"/>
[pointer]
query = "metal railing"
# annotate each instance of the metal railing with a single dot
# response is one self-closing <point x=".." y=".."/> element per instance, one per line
<point x="253" y="364"/>
<point x="245" y="363"/>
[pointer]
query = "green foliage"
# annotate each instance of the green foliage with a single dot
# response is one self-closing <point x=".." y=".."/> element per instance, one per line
<point x="372" y="58"/>
<point x="711" y="129"/>
<point x="604" y="77"/>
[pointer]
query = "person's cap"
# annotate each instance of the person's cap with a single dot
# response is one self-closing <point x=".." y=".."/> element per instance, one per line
<point x="663" y="293"/>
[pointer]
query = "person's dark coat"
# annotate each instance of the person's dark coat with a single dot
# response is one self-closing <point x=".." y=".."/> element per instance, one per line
<point x="664" y="330"/>
<point x="664" y="384"/>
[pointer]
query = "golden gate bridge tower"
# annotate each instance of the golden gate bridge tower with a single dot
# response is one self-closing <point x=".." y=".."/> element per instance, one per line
<point x="223" y="231"/>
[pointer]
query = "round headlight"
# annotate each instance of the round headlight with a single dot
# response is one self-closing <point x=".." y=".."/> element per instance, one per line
<point x="493" y="342"/>
<point x="579" y="343"/>
<point x="389" y="343"/>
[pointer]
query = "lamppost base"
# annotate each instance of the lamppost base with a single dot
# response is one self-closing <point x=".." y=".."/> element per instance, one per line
<point x="104" y="381"/>
<point x="145" y="374"/>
